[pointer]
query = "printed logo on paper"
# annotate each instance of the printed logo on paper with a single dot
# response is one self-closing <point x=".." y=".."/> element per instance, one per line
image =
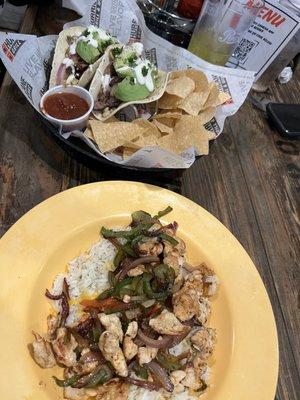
<point x="26" y="87"/>
<point x="116" y="17"/>
<point x="11" y="47"/>
<point x="213" y="126"/>
<point x="135" y="32"/>
<point x="151" y="55"/>
<point x="96" y="12"/>
<point x="223" y="86"/>
<point x="33" y="65"/>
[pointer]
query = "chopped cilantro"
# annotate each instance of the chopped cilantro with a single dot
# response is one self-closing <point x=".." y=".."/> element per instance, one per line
<point x="131" y="60"/>
<point x="117" y="51"/>
<point x="145" y="71"/>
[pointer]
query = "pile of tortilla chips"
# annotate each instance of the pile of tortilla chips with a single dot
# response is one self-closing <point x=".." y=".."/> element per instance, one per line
<point x="189" y="102"/>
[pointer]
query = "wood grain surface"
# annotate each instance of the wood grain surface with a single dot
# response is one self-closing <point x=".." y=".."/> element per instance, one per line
<point x="249" y="181"/>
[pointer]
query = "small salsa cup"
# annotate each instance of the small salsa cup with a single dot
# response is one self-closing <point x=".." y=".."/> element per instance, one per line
<point x="68" y="125"/>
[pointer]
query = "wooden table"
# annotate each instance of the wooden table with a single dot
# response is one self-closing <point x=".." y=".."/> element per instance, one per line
<point x="250" y="182"/>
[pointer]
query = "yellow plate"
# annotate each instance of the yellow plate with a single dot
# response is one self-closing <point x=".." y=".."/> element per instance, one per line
<point x="245" y="363"/>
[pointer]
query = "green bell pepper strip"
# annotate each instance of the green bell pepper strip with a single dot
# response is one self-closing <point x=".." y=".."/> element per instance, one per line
<point x="168" y="238"/>
<point x="164" y="274"/>
<point x="66" y="382"/>
<point x="140" y="371"/>
<point x="104" y="295"/>
<point x="168" y="361"/>
<point x="148" y="290"/>
<point x="111" y="278"/>
<point x="109" y="233"/>
<point x="140" y="216"/>
<point x="99" y="378"/>
<point x="128" y="250"/>
<point x="163" y="212"/>
<point x="121" y="285"/>
<point x="118" y="258"/>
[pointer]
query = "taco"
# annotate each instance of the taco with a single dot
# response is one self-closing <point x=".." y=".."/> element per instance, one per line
<point x="77" y="55"/>
<point x="123" y="78"/>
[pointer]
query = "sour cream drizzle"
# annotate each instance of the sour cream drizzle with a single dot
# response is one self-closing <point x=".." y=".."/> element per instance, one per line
<point x="142" y="78"/>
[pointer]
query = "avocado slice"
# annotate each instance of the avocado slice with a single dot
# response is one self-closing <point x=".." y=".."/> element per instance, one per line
<point x="129" y="90"/>
<point x="87" y="52"/>
<point x="127" y="58"/>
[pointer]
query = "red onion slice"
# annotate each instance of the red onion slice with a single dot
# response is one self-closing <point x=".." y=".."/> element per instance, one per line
<point x="144" y="384"/>
<point x="160" y="375"/>
<point x="60" y="74"/>
<point x="135" y="263"/>
<point x="156" y="343"/>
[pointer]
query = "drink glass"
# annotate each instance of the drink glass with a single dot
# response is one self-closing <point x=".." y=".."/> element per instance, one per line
<point x="220" y="27"/>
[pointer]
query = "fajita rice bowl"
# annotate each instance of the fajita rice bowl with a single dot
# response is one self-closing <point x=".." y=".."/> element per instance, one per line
<point x="130" y="317"/>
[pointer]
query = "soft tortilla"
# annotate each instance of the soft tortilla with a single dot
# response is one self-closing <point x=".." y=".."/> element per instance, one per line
<point x="96" y="87"/>
<point x="59" y="54"/>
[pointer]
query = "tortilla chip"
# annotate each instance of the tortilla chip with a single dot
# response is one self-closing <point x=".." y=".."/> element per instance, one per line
<point x="181" y="87"/>
<point x="127" y="152"/>
<point x="112" y="119"/>
<point x="168" y="101"/>
<point x="206" y="115"/>
<point x="175" y="115"/>
<point x="188" y="132"/>
<point x="162" y="127"/>
<point x="149" y="128"/>
<point x="146" y="140"/>
<point x="193" y="103"/>
<point x="111" y="135"/>
<point x="222" y="98"/>
<point x="199" y="78"/>
<point x="210" y="134"/>
<point x="89" y="133"/>
<point x="168" y="119"/>
<point x="213" y="95"/>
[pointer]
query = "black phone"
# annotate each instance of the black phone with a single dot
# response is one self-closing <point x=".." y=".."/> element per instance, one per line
<point x="285" y="118"/>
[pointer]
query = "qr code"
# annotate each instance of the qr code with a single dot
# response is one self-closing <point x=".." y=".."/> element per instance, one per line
<point x="244" y="47"/>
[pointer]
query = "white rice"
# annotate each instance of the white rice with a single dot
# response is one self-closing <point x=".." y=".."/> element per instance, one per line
<point x="87" y="276"/>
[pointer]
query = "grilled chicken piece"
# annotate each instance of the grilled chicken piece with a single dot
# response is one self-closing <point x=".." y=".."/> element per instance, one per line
<point x="176" y="378"/>
<point x="42" y="352"/>
<point x="204" y="341"/>
<point x="174" y="255"/>
<point x="63" y="346"/>
<point x="112" y="324"/>
<point x="192" y="379"/>
<point x="75" y="394"/>
<point x="109" y="346"/>
<point x="189" y="301"/>
<point x="197" y="376"/>
<point x="132" y="329"/>
<point x="150" y="248"/>
<point x="166" y="323"/>
<point x="210" y="280"/>
<point x="113" y="390"/>
<point x="146" y="354"/>
<point x="86" y="364"/>
<point x="130" y="349"/>
<point x="52" y="323"/>
<point x="202" y="369"/>
<point x="139" y="270"/>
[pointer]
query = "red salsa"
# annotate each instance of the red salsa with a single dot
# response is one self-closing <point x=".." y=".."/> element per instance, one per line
<point x="65" y="106"/>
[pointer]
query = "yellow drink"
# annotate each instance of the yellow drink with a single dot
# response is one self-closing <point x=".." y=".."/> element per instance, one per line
<point x="206" y="46"/>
